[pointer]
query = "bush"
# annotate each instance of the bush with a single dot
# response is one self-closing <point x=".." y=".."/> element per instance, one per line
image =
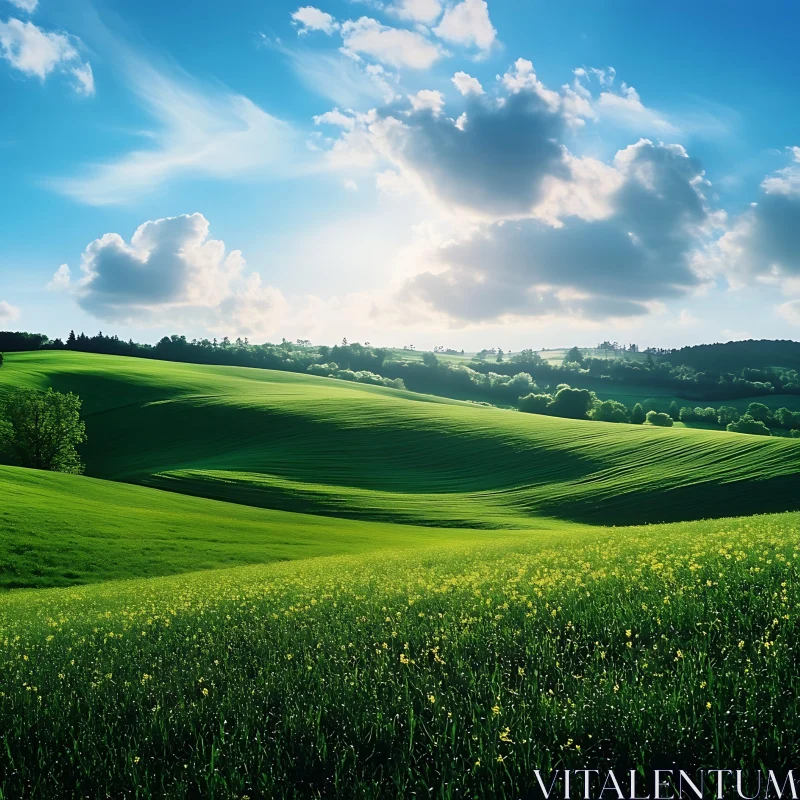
<point x="749" y="425"/>
<point x="659" y="419"/>
<point x="637" y="415"/>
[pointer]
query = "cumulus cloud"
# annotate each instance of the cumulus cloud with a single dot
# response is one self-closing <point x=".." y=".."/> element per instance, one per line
<point x="61" y="279"/>
<point x="39" y="53"/>
<point x="466" y="84"/>
<point x="763" y="243"/>
<point x="393" y="46"/>
<point x="8" y="313"/>
<point x="467" y="23"/>
<point x="425" y="12"/>
<point x="201" y="130"/>
<point x="427" y="99"/>
<point x="618" y="265"/>
<point x="491" y="163"/>
<point x="308" y="18"/>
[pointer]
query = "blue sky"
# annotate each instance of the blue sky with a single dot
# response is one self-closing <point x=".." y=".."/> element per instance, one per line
<point x="453" y="172"/>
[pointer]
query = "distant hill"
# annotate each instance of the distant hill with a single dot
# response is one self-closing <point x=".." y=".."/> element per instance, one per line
<point x="735" y="356"/>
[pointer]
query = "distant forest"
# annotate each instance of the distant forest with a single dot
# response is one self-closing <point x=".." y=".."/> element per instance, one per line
<point x="715" y="372"/>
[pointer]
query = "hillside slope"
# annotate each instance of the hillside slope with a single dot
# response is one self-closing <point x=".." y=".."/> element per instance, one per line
<point x="58" y="530"/>
<point x="295" y="442"/>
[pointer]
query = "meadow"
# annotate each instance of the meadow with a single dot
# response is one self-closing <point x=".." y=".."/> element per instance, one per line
<point x="468" y="594"/>
<point x="449" y="671"/>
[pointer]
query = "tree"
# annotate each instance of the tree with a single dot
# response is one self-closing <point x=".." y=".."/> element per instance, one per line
<point x="726" y="415"/>
<point x="430" y="360"/>
<point x="674" y="411"/>
<point x="574" y="356"/>
<point x="499" y="356"/>
<point x="534" y="403"/>
<point x="1" y="359"/>
<point x="571" y="403"/>
<point x="44" y="429"/>
<point x="748" y="424"/>
<point x="609" y="411"/>
<point x="71" y="340"/>
<point x="637" y="415"/>
<point x="659" y="419"/>
<point x="759" y="411"/>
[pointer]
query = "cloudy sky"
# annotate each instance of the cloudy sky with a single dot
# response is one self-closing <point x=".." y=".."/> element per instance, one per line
<point x="467" y="173"/>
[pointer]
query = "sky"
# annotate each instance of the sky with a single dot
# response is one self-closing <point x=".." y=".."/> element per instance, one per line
<point x="457" y="173"/>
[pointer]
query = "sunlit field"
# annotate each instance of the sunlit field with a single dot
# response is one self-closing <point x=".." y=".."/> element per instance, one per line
<point x="449" y="672"/>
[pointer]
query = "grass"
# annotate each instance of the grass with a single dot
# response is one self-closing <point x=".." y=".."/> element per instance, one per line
<point x="60" y="530"/>
<point x="299" y="443"/>
<point x="452" y="671"/>
<point x="440" y="622"/>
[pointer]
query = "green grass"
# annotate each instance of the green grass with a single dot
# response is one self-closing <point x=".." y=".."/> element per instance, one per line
<point x="443" y="622"/>
<point x="59" y="530"/>
<point x="299" y="443"/>
<point x="446" y="672"/>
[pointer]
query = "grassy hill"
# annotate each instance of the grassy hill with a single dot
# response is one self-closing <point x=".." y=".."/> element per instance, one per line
<point x="59" y="530"/>
<point x="298" y="443"/>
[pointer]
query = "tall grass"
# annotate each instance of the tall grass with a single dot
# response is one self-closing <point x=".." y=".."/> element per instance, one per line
<point x="449" y="672"/>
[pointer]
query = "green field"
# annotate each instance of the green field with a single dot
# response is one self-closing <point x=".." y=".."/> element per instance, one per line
<point x="300" y="443"/>
<point x="464" y="593"/>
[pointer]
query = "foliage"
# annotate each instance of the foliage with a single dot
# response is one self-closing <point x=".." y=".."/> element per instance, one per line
<point x="748" y="424"/>
<point x="659" y="419"/>
<point x="384" y="675"/>
<point x="638" y="416"/>
<point x="609" y="411"/>
<point x="535" y="403"/>
<point x="760" y="412"/>
<point x="44" y="429"/>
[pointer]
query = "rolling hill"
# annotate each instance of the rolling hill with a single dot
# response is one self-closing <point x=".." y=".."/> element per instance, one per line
<point x="298" y="443"/>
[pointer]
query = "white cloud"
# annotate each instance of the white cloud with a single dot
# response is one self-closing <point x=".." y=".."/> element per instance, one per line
<point x="763" y="243"/>
<point x="466" y="84"/>
<point x="172" y="266"/>
<point x="310" y="19"/>
<point x="342" y="79"/>
<point x="627" y="109"/>
<point x="29" y="6"/>
<point x="61" y="279"/>
<point x="337" y="118"/>
<point x="425" y="12"/>
<point x="350" y="185"/>
<point x="427" y="100"/>
<point x="8" y="313"/>
<point x="39" y="53"/>
<point x="84" y="79"/>
<point x="394" y="46"/>
<point x="467" y="23"/>
<point x="201" y="130"/>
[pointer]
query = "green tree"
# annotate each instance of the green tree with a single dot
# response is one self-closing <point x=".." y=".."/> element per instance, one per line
<point x="430" y="360"/>
<point x="674" y="411"/>
<point x="609" y="411"/>
<point x="748" y="424"/>
<point x="574" y="355"/>
<point x="534" y="403"/>
<point x="44" y="429"/>
<point x="659" y="419"/>
<point x="726" y="415"/>
<point x="760" y="412"/>
<point x="571" y="403"/>
<point x="637" y="415"/>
